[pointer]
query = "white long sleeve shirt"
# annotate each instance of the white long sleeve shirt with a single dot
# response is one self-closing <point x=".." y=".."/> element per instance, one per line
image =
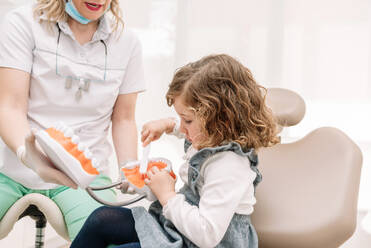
<point x="225" y="187"/>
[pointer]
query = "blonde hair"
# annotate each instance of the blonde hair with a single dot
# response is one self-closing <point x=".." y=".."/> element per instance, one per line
<point x="54" y="11"/>
<point x="228" y="102"/>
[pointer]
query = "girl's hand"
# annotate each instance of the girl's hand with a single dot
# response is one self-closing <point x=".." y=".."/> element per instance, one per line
<point x="153" y="130"/>
<point x="161" y="184"/>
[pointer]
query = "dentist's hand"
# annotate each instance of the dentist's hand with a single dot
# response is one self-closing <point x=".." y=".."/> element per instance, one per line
<point x="31" y="156"/>
<point x="125" y="188"/>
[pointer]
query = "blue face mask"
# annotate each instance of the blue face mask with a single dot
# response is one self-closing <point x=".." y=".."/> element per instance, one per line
<point x="72" y="11"/>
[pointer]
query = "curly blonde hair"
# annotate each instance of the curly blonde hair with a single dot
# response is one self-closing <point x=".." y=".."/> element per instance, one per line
<point x="54" y="10"/>
<point x="227" y="101"/>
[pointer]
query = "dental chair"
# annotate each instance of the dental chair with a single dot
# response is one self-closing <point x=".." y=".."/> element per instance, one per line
<point x="40" y="208"/>
<point x="309" y="192"/>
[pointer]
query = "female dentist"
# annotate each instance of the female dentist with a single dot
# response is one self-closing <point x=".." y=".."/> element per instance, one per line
<point x="65" y="61"/>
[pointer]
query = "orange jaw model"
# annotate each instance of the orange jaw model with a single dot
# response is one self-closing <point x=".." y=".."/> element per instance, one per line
<point x="67" y="153"/>
<point x="72" y="149"/>
<point x="131" y="174"/>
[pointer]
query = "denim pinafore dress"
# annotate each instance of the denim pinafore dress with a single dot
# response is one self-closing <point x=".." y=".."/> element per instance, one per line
<point x="155" y="231"/>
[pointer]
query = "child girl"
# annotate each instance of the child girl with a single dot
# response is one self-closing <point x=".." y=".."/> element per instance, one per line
<point x="224" y="119"/>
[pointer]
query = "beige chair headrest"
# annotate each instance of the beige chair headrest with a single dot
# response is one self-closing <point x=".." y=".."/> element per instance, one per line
<point x="287" y="106"/>
<point x="308" y="196"/>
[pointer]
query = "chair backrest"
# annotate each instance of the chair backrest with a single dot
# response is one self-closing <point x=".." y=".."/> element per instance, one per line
<point x="309" y="193"/>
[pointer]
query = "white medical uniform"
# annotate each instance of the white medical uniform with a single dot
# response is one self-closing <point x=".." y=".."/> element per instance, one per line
<point x="28" y="45"/>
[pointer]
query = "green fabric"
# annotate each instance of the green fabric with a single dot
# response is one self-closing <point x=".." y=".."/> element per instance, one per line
<point x="10" y="192"/>
<point x="75" y="205"/>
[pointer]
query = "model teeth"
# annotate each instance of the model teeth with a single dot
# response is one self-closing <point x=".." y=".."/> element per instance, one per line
<point x="99" y="167"/>
<point x="81" y="146"/>
<point x="88" y="154"/>
<point x="68" y="133"/>
<point x="59" y="126"/>
<point x="63" y="128"/>
<point x="56" y="126"/>
<point x="75" y="139"/>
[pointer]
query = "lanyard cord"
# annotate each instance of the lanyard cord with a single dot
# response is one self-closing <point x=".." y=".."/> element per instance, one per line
<point x="105" y="59"/>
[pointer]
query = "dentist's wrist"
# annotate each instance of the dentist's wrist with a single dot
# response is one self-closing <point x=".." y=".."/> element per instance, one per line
<point x="125" y="162"/>
<point x="20" y="154"/>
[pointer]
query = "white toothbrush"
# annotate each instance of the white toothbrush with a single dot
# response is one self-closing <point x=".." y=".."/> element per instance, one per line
<point x="144" y="160"/>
